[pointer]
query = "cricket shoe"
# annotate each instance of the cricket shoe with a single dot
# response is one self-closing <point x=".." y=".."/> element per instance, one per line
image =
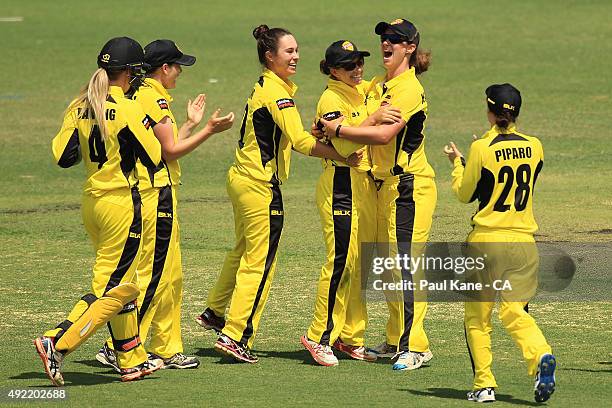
<point x="136" y="373"/>
<point x="384" y="350"/>
<point x="321" y="353"/>
<point x="545" y="378"/>
<point x="355" y="352"/>
<point x="210" y="321"/>
<point x="179" y="361"/>
<point x="108" y="357"/>
<point x="482" y="395"/>
<point x="234" y="349"/>
<point x="51" y="358"/>
<point x="410" y="360"/>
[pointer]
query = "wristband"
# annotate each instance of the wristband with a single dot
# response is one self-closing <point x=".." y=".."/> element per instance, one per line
<point x="338" y="131"/>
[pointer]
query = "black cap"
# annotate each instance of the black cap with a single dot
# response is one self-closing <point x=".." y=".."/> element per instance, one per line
<point x="119" y="53"/>
<point x="341" y="52"/>
<point x="502" y="98"/>
<point x="401" y="27"/>
<point x="160" y="52"/>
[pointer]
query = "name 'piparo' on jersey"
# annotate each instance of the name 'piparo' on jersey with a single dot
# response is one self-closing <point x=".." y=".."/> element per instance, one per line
<point x="271" y="127"/>
<point x="405" y="153"/>
<point x="155" y="101"/>
<point x="110" y="163"/>
<point x="501" y="172"/>
<point x="342" y="99"/>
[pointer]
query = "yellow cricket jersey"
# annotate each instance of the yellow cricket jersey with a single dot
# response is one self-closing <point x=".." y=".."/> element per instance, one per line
<point x="349" y="101"/>
<point x="110" y="163"/>
<point x="501" y="172"/>
<point x="155" y="101"/>
<point x="271" y="127"/>
<point x="405" y="153"/>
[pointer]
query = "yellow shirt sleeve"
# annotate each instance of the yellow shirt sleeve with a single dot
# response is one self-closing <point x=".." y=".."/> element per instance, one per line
<point x="146" y="145"/>
<point x="329" y="103"/>
<point x="466" y="176"/>
<point x="154" y="105"/>
<point x="65" y="145"/>
<point x="409" y="103"/>
<point x="286" y="116"/>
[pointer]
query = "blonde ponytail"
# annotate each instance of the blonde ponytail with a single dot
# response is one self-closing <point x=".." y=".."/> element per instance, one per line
<point x="91" y="99"/>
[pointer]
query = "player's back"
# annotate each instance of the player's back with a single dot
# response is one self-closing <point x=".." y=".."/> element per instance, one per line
<point x="510" y="162"/>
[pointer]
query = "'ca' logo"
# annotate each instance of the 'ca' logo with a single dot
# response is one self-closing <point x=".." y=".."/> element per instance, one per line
<point x="106" y="57"/>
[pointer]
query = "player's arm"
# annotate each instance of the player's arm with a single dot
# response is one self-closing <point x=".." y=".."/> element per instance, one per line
<point x="465" y="175"/>
<point x="369" y="135"/>
<point x="140" y="135"/>
<point x="65" y="145"/>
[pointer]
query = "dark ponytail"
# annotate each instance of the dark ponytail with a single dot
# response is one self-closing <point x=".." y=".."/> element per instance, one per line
<point x="267" y="40"/>
<point x="324" y="68"/>
<point x="504" y="119"/>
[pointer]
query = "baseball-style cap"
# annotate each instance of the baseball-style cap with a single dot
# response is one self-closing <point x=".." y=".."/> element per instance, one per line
<point x="401" y="27"/>
<point x="503" y="97"/>
<point x="160" y="52"/>
<point x="119" y="53"/>
<point x="341" y="52"/>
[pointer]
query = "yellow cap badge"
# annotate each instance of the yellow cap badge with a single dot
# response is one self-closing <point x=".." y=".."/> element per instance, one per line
<point x="347" y="45"/>
<point x="397" y="21"/>
<point x="106" y="57"/>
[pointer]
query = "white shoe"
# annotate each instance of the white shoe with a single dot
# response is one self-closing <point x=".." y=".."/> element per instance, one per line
<point x="482" y="395"/>
<point x="384" y="350"/>
<point x="322" y="354"/>
<point x="410" y="360"/>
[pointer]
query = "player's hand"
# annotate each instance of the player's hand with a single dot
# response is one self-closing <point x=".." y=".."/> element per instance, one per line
<point x="451" y="151"/>
<point x="387" y="114"/>
<point x="315" y="131"/>
<point x="195" y="109"/>
<point x="217" y="124"/>
<point x="329" y="126"/>
<point x="354" y="159"/>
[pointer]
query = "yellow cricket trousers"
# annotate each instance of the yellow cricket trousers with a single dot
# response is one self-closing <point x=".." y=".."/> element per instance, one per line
<point x="248" y="269"/>
<point x="405" y="209"/>
<point x="339" y="310"/>
<point x="159" y="272"/>
<point x="518" y="261"/>
<point x="113" y="222"/>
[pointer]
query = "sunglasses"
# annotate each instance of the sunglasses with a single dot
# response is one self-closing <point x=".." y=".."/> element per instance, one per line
<point x="394" y="38"/>
<point x="350" y="66"/>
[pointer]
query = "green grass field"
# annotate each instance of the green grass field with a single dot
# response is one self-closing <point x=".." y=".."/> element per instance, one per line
<point x="556" y="53"/>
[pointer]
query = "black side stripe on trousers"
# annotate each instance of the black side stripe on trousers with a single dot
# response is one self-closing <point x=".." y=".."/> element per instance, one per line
<point x="404" y="224"/>
<point x="276" y="227"/>
<point x="467" y="343"/>
<point x="163" y="233"/>
<point x="342" y="203"/>
<point x="130" y="249"/>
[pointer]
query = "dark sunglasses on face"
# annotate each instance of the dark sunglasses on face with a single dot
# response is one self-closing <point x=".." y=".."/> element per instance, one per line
<point x="393" y="38"/>
<point x="350" y="66"/>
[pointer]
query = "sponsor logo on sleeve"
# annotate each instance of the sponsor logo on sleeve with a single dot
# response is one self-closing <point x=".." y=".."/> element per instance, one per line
<point x="146" y="122"/>
<point x="285" y="103"/>
<point x="163" y="104"/>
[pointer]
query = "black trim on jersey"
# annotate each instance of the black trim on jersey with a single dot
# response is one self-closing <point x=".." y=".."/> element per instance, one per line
<point x="132" y="243"/>
<point x="260" y="81"/>
<point x="267" y="134"/>
<point x="404" y="226"/>
<point x="275" y="227"/>
<point x="536" y="173"/>
<point x="110" y="99"/>
<point x="505" y="137"/>
<point x="72" y="151"/>
<point x="410" y="140"/>
<point x="484" y="188"/>
<point x="342" y="200"/>
<point x="130" y="148"/>
<point x="163" y="233"/>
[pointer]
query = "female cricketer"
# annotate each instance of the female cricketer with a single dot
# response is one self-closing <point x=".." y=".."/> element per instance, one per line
<point x="159" y="270"/>
<point x="109" y="132"/>
<point x="346" y="199"/>
<point x="405" y="182"/>
<point x="270" y="129"/>
<point x="501" y="172"/>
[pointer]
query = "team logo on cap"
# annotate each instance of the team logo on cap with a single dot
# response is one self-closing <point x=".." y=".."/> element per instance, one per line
<point x="106" y="58"/>
<point x="397" y="21"/>
<point x="347" y="45"/>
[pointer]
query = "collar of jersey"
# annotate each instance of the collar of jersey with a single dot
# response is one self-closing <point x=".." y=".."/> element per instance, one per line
<point x="159" y="88"/>
<point x="355" y="93"/>
<point x="409" y="73"/>
<point x="497" y="130"/>
<point x="290" y="87"/>
<point x="116" y="91"/>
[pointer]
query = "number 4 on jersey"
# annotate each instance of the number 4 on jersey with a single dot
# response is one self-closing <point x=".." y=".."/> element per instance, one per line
<point x="97" y="150"/>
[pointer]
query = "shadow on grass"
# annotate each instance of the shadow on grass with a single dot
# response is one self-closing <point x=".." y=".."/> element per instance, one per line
<point x="96" y="364"/>
<point x="450" y="393"/>
<point x="72" y="378"/>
